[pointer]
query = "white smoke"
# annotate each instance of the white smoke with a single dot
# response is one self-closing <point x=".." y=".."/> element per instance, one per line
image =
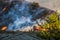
<point x="51" y="4"/>
<point x="20" y="15"/>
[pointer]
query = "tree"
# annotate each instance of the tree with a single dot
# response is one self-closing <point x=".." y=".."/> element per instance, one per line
<point x="54" y="27"/>
<point x="52" y="23"/>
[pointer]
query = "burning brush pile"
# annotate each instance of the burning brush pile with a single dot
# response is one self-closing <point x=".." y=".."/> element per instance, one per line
<point x="20" y="14"/>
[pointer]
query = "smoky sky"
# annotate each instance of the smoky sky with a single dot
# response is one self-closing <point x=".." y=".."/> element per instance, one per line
<point x="52" y="4"/>
<point x="20" y="15"/>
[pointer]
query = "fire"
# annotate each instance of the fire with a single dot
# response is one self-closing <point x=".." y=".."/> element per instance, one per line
<point x="4" y="8"/>
<point x="36" y="27"/>
<point x="3" y="28"/>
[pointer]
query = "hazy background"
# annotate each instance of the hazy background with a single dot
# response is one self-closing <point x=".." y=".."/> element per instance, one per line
<point x="51" y="4"/>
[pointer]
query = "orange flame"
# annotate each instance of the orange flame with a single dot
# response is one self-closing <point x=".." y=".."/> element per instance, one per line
<point x="37" y="27"/>
<point x="4" y="8"/>
<point x="3" y="28"/>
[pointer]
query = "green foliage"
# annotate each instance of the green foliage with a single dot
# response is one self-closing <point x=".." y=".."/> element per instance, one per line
<point x="53" y="20"/>
<point x="52" y="23"/>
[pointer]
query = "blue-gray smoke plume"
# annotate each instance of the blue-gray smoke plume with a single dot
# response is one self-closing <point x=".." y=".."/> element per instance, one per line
<point x="19" y="15"/>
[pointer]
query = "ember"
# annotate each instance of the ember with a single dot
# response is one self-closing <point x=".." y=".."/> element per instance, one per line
<point x="4" y="8"/>
<point x="36" y="28"/>
<point x="3" y="28"/>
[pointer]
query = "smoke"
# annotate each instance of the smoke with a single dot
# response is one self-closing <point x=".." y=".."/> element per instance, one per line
<point x="52" y="4"/>
<point x="19" y="16"/>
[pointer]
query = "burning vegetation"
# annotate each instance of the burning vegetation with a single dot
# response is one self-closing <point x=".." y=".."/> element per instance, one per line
<point x="51" y="27"/>
<point x="4" y="9"/>
<point x="13" y="11"/>
<point x="20" y="15"/>
<point x="3" y="28"/>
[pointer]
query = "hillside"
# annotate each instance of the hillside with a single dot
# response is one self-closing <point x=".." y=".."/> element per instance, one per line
<point x="18" y="36"/>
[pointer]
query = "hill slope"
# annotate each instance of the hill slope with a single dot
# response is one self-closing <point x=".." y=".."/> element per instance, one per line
<point x="18" y="36"/>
